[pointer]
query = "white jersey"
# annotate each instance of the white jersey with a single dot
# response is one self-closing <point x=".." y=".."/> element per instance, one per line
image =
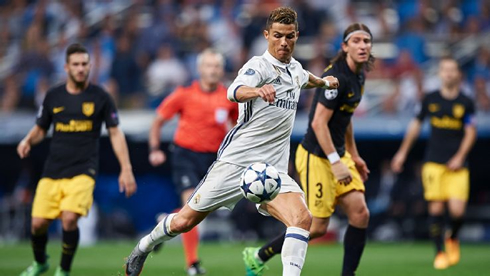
<point x="263" y="130"/>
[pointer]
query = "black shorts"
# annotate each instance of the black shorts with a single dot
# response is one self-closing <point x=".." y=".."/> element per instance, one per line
<point x="189" y="167"/>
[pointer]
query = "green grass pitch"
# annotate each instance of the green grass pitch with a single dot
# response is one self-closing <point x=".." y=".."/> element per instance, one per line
<point x="106" y="258"/>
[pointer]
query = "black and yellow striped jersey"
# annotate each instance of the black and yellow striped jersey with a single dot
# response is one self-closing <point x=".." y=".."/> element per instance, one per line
<point x="77" y="121"/>
<point x="343" y="101"/>
<point x="448" y="118"/>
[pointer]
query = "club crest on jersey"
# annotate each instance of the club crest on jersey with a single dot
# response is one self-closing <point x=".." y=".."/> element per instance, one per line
<point x="331" y="94"/>
<point x="458" y="110"/>
<point x="250" y="72"/>
<point x="434" y="107"/>
<point x="88" y="108"/>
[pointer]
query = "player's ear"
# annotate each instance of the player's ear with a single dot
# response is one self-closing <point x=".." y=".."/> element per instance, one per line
<point x="344" y="46"/>
<point x="266" y="34"/>
<point x="65" y="67"/>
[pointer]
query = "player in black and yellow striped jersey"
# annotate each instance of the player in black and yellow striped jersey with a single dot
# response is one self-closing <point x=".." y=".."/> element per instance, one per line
<point x="76" y="110"/>
<point x="445" y="174"/>
<point x="331" y="171"/>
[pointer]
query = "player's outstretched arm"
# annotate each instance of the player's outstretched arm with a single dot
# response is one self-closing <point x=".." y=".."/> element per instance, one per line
<point x="351" y="147"/>
<point x="34" y="137"/>
<point x="245" y="93"/>
<point x="156" y="155"/>
<point x="411" y="135"/>
<point x="328" y="82"/>
<point x="469" y="138"/>
<point x="127" y="183"/>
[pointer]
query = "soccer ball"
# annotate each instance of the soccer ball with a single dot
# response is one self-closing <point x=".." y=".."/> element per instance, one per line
<point x="260" y="182"/>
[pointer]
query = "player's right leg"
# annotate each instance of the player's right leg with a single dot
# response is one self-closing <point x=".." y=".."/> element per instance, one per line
<point x="167" y="229"/>
<point x="45" y="208"/>
<point x="190" y="241"/>
<point x="39" y="240"/>
<point x="218" y="188"/>
<point x="432" y="181"/>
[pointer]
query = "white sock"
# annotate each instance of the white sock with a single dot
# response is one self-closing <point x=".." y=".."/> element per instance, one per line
<point x="294" y="251"/>
<point x="158" y="235"/>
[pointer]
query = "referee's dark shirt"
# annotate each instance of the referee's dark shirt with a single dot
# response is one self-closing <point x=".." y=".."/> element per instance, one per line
<point x="77" y="121"/>
<point x="343" y="101"/>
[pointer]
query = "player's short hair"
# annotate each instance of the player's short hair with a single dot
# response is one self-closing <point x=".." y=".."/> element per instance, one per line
<point x="73" y="49"/>
<point x="282" y="15"/>
<point x="450" y="58"/>
<point x="355" y="27"/>
<point x="209" y="51"/>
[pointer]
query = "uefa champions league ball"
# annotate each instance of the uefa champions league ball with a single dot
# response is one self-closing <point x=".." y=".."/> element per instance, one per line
<point x="260" y="182"/>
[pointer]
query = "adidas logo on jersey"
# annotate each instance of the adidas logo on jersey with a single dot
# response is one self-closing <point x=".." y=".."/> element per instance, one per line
<point x="276" y="81"/>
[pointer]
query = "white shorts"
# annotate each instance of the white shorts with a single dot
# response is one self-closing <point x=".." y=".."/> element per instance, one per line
<point x="220" y="187"/>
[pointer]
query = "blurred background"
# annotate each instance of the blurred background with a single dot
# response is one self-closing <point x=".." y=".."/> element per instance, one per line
<point x="142" y="49"/>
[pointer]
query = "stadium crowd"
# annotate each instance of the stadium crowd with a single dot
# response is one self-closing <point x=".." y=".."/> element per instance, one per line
<point x="143" y="49"/>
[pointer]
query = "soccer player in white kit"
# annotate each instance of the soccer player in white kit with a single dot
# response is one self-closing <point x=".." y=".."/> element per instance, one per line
<point x="267" y="88"/>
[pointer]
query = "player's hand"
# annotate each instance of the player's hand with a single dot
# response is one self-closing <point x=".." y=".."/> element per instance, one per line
<point x="455" y="163"/>
<point x="333" y="82"/>
<point x="267" y="93"/>
<point x="23" y="149"/>
<point x="127" y="183"/>
<point x="361" y="167"/>
<point x="397" y="162"/>
<point x="341" y="173"/>
<point x="157" y="157"/>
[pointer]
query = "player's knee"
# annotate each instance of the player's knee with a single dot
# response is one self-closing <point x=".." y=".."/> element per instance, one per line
<point x="39" y="226"/>
<point x="317" y="231"/>
<point x="302" y="220"/>
<point x="70" y="224"/>
<point x="457" y="214"/>
<point x="182" y="224"/>
<point x="360" y="218"/>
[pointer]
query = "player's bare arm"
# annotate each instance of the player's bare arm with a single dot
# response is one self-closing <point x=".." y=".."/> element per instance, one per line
<point x="350" y="145"/>
<point x="246" y="93"/>
<point x="328" y="82"/>
<point x="156" y="156"/>
<point x="127" y="183"/>
<point x="320" y="127"/>
<point x="34" y="137"/>
<point x="469" y="138"/>
<point x="412" y="134"/>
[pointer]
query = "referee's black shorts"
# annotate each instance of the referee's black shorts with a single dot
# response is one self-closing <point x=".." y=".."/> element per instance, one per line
<point x="189" y="167"/>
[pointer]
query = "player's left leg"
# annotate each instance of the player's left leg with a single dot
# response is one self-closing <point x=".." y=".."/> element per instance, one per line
<point x="457" y="209"/>
<point x="70" y="239"/>
<point x="457" y="190"/>
<point x="354" y="205"/>
<point x="76" y="202"/>
<point x="255" y="258"/>
<point x="290" y="208"/>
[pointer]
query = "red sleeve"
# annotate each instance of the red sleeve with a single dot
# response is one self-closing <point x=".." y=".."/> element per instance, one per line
<point x="172" y="104"/>
<point x="233" y="112"/>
